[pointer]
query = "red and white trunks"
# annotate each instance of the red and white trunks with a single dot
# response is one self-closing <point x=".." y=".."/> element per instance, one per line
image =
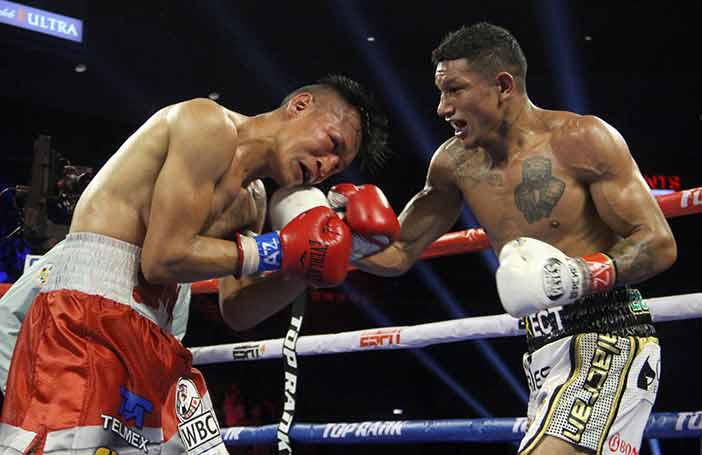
<point x="94" y="372"/>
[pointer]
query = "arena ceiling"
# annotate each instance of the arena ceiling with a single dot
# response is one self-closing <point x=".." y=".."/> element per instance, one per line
<point x="631" y="61"/>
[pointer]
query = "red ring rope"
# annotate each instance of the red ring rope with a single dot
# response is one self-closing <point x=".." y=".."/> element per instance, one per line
<point x="686" y="202"/>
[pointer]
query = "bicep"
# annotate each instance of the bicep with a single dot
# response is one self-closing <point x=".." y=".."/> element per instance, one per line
<point x="620" y="194"/>
<point x="625" y="203"/>
<point x="196" y="158"/>
<point x="428" y="215"/>
<point x="432" y="211"/>
<point x="179" y="204"/>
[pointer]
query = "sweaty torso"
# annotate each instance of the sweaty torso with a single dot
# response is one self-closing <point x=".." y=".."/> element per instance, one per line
<point x="117" y="203"/>
<point x="540" y="191"/>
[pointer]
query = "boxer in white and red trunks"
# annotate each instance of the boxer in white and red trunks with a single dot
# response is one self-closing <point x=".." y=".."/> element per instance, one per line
<point x="95" y="369"/>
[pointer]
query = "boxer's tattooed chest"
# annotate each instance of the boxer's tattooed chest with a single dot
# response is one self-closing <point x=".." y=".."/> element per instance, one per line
<point x="539" y="191"/>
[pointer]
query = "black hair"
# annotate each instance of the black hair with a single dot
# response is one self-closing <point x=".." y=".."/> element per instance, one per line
<point x="488" y="48"/>
<point x="374" y="149"/>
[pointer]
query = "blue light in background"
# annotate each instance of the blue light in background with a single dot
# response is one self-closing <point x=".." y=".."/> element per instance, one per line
<point x="415" y="127"/>
<point x="425" y="359"/>
<point x="392" y="85"/>
<point x="561" y="48"/>
<point x="655" y="447"/>
<point x="448" y="301"/>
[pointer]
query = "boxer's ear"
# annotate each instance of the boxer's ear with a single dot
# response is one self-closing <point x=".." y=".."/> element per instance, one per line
<point x="299" y="103"/>
<point x="505" y="85"/>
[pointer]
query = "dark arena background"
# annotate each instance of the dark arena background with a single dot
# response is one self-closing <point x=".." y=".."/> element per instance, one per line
<point x="69" y="101"/>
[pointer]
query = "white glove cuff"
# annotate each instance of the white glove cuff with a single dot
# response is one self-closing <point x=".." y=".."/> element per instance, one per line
<point x="580" y="276"/>
<point x="249" y="251"/>
<point x="337" y="200"/>
<point x="287" y="203"/>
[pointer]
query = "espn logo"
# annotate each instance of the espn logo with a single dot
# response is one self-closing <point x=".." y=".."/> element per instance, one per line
<point x="248" y="351"/>
<point x="199" y="431"/>
<point x="380" y="337"/>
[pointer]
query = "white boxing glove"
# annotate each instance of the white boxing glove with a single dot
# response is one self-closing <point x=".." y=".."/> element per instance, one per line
<point x="287" y="203"/>
<point x="534" y="275"/>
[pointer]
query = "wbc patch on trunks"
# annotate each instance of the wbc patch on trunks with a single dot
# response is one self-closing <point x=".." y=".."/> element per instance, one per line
<point x="198" y="427"/>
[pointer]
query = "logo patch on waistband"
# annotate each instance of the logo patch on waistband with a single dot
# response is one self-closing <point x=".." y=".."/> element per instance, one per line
<point x="637" y="305"/>
<point x="43" y="275"/>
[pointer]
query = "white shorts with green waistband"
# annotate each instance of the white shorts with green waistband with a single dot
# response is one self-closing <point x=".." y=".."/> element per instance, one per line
<point x="592" y="390"/>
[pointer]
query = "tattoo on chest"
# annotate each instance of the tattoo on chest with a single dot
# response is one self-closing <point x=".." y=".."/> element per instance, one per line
<point x="539" y="191"/>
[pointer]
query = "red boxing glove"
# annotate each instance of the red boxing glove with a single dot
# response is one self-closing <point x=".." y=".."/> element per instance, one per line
<point x="367" y="212"/>
<point x="314" y="246"/>
<point x="317" y="246"/>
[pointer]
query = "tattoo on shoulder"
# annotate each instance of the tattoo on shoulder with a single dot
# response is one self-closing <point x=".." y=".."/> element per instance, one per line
<point x="473" y="165"/>
<point x="539" y="191"/>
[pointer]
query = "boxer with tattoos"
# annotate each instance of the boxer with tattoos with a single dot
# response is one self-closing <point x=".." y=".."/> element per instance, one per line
<point x="564" y="204"/>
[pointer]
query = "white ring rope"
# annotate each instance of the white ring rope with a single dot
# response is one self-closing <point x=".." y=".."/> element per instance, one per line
<point x="670" y="308"/>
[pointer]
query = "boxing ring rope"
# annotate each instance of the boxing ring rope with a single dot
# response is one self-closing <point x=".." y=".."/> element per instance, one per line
<point x="685" y="202"/>
<point x="686" y="306"/>
<point x="660" y="425"/>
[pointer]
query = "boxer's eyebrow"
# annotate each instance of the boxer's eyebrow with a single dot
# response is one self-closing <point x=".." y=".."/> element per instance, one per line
<point x="441" y="83"/>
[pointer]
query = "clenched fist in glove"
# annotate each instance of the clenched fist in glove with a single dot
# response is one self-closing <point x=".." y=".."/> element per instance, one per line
<point x="367" y="212"/>
<point x="534" y="275"/>
<point x="315" y="246"/>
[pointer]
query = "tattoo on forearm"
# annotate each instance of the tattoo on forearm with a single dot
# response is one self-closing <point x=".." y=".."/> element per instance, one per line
<point x="539" y="191"/>
<point x="634" y="261"/>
